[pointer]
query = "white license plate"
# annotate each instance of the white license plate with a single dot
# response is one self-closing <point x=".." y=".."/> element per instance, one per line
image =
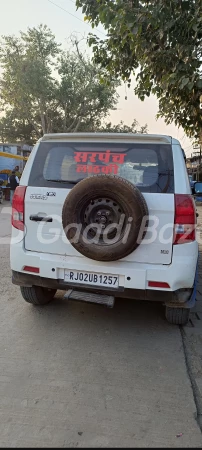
<point x="95" y="279"/>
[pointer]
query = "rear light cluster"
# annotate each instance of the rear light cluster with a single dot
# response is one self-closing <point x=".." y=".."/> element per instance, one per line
<point x="18" y="208"/>
<point x="184" y="228"/>
<point x="185" y="219"/>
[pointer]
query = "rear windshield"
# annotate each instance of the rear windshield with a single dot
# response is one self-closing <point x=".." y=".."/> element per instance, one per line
<point x="62" y="164"/>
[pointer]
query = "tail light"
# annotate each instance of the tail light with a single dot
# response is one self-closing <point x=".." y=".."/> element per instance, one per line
<point x="18" y="208"/>
<point x="185" y="219"/>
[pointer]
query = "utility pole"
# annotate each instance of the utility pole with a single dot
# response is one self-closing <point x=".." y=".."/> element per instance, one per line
<point x="200" y="152"/>
<point x="198" y="165"/>
<point x="200" y="148"/>
<point x="200" y="137"/>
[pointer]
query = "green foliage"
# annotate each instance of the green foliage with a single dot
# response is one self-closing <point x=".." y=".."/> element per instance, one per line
<point x="27" y="87"/>
<point x="163" y="40"/>
<point x="123" y="128"/>
<point x="13" y="129"/>
<point x="43" y="89"/>
<point x="84" y="100"/>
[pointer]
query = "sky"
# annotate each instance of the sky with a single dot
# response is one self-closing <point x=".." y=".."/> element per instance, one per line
<point x="63" y="19"/>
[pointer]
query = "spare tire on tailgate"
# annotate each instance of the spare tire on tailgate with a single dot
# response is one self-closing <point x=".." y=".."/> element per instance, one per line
<point x="102" y="217"/>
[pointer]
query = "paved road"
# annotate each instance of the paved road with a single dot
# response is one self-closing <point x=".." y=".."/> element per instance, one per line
<point x="77" y="375"/>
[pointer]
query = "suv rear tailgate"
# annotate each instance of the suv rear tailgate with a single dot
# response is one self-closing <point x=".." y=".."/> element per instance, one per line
<point x="49" y="237"/>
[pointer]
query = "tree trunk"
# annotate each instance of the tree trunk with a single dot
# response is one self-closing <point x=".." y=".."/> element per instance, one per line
<point x="49" y="125"/>
<point x="43" y="123"/>
<point x="65" y="118"/>
<point x="77" y="126"/>
<point x="73" y="125"/>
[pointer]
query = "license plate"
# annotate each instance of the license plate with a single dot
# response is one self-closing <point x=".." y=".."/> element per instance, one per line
<point x="95" y="279"/>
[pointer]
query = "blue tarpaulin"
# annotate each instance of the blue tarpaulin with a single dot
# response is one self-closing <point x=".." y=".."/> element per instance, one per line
<point x="7" y="163"/>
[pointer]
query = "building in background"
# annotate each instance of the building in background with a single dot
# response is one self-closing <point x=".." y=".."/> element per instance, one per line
<point x="14" y="154"/>
<point x="194" y="167"/>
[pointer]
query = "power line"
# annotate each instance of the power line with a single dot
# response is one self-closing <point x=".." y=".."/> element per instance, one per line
<point x="73" y="15"/>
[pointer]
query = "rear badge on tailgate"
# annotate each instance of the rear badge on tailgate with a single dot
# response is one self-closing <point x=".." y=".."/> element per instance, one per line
<point x="38" y="197"/>
<point x="42" y="196"/>
<point x="51" y="194"/>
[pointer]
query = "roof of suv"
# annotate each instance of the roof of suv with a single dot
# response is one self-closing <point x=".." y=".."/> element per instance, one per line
<point x="110" y="136"/>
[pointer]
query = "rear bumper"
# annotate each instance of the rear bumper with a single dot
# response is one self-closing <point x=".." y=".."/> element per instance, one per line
<point x="134" y="277"/>
<point x="181" y="298"/>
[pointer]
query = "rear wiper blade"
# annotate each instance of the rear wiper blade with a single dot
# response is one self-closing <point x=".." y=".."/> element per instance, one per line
<point x="64" y="181"/>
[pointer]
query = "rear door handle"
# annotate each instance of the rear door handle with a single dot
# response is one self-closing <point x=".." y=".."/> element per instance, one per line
<point x="40" y="219"/>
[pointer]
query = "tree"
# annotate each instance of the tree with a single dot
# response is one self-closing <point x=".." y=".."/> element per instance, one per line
<point x="12" y="129"/>
<point x="44" y="89"/>
<point x="160" y="42"/>
<point x="123" y="128"/>
<point x="83" y="99"/>
<point x="27" y="86"/>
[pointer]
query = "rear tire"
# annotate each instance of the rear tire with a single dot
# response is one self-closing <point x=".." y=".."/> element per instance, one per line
<point x="177" y="316"/>
<point x="37" y="295"/>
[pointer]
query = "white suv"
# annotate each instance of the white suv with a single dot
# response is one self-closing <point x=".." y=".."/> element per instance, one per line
<point x="104" y="216"/>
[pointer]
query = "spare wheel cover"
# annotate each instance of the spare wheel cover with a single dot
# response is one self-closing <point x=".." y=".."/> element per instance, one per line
<point x="101" y="201"/>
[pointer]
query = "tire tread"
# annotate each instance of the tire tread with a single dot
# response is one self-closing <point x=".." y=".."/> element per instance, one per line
<point x="36" y="295"/>
<point x="177" y="316"/>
